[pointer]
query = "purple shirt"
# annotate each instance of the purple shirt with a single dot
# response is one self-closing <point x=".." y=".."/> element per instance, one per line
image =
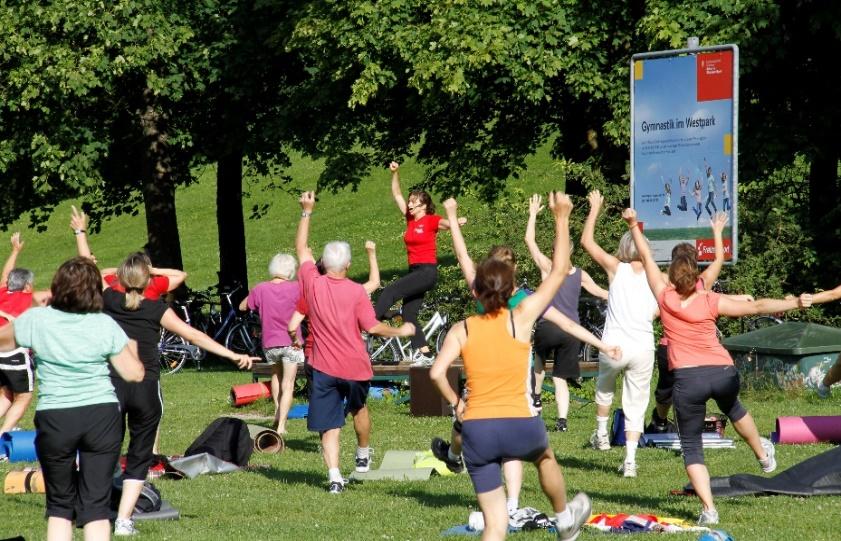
<point x="566" y="299"/>
<point x="275" y="303"/>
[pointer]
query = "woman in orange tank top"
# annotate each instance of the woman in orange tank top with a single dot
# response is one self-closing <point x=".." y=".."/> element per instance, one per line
<point x="500" y="422"/>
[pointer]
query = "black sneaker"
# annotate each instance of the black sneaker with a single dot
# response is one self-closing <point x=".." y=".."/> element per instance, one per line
<point x="441" y="451"/>
<point x="537" y="401"/>
<point x="336" y="487"/>
<point x="561" y="425"/>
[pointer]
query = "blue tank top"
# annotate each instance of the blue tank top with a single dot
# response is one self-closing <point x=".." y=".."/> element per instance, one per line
<point x="566" y="299"/>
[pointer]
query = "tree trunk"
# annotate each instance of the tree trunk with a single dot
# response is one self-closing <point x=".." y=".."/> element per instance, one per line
<point x="164" y="244"/>
<point x="233" y="268"/>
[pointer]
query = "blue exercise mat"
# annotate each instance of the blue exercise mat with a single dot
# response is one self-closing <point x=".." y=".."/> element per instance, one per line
<point x="465" y="529"/>
<point x="19" y="446"/>
<point x="299" y="411"/>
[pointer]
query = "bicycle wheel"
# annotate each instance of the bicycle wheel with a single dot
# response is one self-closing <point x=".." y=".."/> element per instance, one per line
<point x="173" y="352"/>
<point x="244" y="338"/>
<point x="438" y="341"/>
<point x="589" y="354"/>
<point x="382" y="350"/>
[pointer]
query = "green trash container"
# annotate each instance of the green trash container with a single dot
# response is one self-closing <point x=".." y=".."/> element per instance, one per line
<point x="792" y="355"/>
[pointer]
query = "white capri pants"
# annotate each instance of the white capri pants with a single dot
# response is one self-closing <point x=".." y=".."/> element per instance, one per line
<point x="636" y="385"/>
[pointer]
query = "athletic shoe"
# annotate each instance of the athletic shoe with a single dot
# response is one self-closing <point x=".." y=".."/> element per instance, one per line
<point x="537" y="402"/>
<point x="580" y="507"/>
<point x="770" y="463"/>
<point x="561" y="425"/>
<point x="124" y="527"/>
<point x="364" y="464"/>
<point x="823" y="391"/>
<point x="441" y="451"/>
<point x="600" y="441"/>
<point x="628" y="469"/>
<point x="421" y="359"/>
<point x="336" y="487"/>
<point x="708" y="518"/>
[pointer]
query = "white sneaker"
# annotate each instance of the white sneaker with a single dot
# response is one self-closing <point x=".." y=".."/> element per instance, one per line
<point x="580" y="507"/>
<point x="600" y="441"/>
<point x="421" y="359"/>
<point x="124" y="527"/>
<point x="770" y="463"/>
<point x="628" y="469"/>
<point x="708" y="518"/>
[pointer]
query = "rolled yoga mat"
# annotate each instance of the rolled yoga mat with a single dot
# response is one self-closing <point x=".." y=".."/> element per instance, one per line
<point x="30" y="480"/>
<point x="265" y="439"/>
<point x="248" y="393"/>
<point x="19" y="446"/>
<point x="815" y="429"/>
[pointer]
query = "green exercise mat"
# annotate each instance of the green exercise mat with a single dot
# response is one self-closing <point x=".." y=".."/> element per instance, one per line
<point x="398" y="466"/>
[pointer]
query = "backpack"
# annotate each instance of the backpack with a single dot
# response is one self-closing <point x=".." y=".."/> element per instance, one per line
<point x="149" y="500"/>
<point x="226" y="438"/>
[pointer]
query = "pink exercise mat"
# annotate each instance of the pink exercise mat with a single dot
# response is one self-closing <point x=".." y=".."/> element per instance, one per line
<point x="815" y="429"/>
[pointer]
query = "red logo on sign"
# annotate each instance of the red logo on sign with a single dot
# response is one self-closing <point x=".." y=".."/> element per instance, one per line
<point x="714" y="76"/>
<point x="706" y="249"/>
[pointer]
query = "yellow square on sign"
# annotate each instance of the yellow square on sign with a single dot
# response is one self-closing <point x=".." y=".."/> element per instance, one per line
<point x="638" y="70"/>
<point x="728" y="144"/>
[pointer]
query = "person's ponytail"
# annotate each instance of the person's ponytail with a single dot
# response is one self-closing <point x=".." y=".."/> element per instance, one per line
<point x="134" y="275"/>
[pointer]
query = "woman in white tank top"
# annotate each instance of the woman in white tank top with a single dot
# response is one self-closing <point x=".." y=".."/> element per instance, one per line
<point x="631" y="308"/>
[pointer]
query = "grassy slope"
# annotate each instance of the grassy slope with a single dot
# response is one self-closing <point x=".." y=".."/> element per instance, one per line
<point x="285" y="499"/>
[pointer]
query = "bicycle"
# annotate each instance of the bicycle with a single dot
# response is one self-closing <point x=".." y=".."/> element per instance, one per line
<point x="393" y="350"/>
<point x="592" y="314"/>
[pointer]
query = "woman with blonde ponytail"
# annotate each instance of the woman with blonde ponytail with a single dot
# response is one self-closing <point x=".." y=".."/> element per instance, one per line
<point x="141" y="403"/>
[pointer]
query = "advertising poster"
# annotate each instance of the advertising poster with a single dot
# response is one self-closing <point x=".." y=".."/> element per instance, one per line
<point x="684" y="108"/>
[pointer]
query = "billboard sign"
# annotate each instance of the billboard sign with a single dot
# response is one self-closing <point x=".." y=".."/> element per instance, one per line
<point x="684" y="142"/>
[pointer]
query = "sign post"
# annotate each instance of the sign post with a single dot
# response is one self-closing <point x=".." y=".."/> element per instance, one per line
<point x="684" y="147"/>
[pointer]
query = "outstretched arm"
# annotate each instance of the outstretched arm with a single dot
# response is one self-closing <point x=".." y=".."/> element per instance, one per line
<point x="588" y="240"/>
<point x="732" y="308"/>
<point x="827" y="296"/>
<point x="373" y="282"/>
<point x="468" y="269"/>
<point x="592" y="287"/>
<point x="580" y="333"/>
<point x="534" y="305"/>
<point x="710" y="274"/>
<point x="396" y="192"/>
<point x="544" y="264"/>
<point x="652" y="271"/>
<point x="444" y="223"/>
<point x="302" y="249"/>
<point x="11" y="261"/>
<point x="171" y="322"/>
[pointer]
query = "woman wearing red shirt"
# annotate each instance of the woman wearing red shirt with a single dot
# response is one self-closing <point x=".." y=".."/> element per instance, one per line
<point x="422" y="226"/>
<point x="701" y="366"/>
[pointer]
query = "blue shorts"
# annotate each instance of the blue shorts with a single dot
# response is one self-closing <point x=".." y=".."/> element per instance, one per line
<point x="487" y="443"/>
<point x="331" y="399"/>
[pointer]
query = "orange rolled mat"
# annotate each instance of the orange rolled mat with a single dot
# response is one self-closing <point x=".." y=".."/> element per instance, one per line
<point x="248" y="393"/>
<point x="30" y="480"/>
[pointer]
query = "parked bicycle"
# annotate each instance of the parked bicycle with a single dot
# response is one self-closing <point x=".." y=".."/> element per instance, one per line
<point x="592" y="314"/>
<point x="238" y="332"/>
<point x="394" y="350"/>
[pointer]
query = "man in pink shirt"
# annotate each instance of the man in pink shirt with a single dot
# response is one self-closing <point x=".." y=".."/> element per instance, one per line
<point x="339" y="309"/>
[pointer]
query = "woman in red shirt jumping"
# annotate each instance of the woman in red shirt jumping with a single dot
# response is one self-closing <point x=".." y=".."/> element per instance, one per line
<point x="422" y="226"/>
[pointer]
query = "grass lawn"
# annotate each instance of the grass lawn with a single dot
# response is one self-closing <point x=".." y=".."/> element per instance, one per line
<point x="284" y="496"/>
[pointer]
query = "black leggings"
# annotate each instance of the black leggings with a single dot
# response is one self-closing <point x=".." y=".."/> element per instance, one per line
<point x="693" y="387"/>
<point x="665" y="378"/>
<point x="411" y="288"/>
<point x="141" y="407"/>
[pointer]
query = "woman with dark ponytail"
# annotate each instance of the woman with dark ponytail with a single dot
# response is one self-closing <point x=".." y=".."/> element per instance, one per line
<point x="701" y="366"/>
<point x="500" y="422"/>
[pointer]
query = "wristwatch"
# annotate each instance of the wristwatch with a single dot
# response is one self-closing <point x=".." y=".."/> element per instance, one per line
<point x="79" y="231"/>
<point x="305" y="214"/>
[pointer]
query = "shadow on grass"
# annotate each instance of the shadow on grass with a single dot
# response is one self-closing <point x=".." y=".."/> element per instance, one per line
<point x="307" y="445"/>
<point x="429" y="499"/>
<point x="586" y="465"/>
<point x="293" y="477"/>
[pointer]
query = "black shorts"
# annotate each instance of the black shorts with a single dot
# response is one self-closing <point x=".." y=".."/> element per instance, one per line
<point x="141" y="405"/>
<point x="16" y="371"/>
<point x="326" y="396"/>
<point x="550" y="342"/>
<point x="94" y="433"/>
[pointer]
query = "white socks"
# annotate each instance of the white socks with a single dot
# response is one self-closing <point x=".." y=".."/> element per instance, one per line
<point x="335" y="475"/>
<point x="363" y="452"/>
<point x="601" y="425"/>
<point x="630" y="451"/>
<point x="513" y="504"/>
<point x="563" y="520"/>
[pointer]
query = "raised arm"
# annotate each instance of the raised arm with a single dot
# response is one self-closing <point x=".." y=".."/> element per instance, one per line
<point x="468" y="269"/>
<point x="79" y="225"/>
<point x="827" y="296"/>
<point x="302" y="249"/>
<point x="652" y="271"/>
<point x="591" y="286"/>
<point x="176" y="277"/>
<point x="534" y="305"/>
<point x="544" y="264"/>
<point x="396" y="192"/>
<point x="11" y="261"/>
<point x="373" y="282"/>
<point x="710" y="274"/>
<point x="605" y="260"/>
<point x="171" y="322"/>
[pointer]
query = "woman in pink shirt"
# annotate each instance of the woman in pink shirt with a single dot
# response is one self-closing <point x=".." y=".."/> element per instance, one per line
<point x="701" y="366"/>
